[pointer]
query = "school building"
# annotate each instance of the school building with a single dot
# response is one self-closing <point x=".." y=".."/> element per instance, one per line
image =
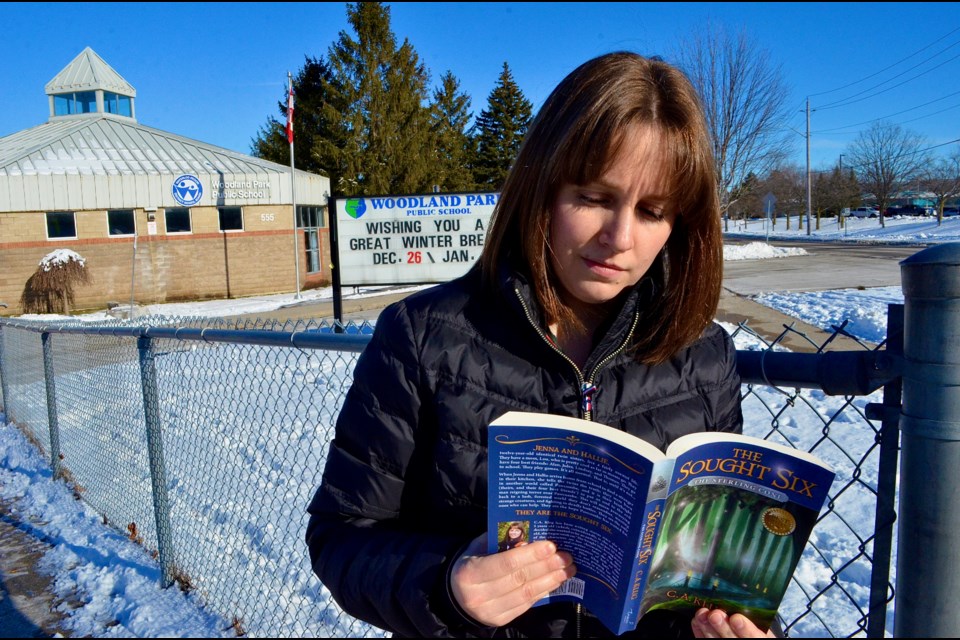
<point x="157" y="217"/>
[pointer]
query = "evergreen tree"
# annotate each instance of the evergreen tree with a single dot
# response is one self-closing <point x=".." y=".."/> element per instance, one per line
<point x="499" y="131"/>
<point x="386" y="135"/>
<point x="315" y="124"/>
<point x="453" y="146"/>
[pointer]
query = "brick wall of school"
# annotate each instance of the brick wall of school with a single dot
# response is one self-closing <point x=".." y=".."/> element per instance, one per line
<point x="203" y="264"/>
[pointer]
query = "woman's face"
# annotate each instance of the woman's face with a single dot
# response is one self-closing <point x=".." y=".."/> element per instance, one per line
<point x="514" y="532"/>
<point x="605" y="235"/>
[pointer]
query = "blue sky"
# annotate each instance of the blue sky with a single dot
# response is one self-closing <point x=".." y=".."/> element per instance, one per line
<point x="215" y="71"/>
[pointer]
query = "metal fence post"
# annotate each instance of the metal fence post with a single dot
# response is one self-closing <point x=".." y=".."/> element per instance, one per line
<point x="888" y="413"/>
<point x="928" y="565"/>
<point x="4" y="389"/>
<point x="52" y="421"/>
<point x="158" y="474"/>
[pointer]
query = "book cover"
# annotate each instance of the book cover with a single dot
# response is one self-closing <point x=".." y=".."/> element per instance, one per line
<point x="720" y="521"/>
<point x="737" y="517"/>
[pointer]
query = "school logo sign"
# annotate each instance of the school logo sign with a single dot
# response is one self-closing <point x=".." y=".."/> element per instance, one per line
<point x="187" y="190"/>
<point x="355" y="207"/>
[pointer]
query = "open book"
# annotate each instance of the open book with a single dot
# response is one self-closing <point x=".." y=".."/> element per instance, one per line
<point x="719" y="522"/>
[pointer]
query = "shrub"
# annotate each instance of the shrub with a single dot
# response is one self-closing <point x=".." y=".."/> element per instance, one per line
<point x="51" y="288"/>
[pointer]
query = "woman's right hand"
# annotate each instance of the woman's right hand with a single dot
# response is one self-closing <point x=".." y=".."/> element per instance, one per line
<point x="494" y="589"/>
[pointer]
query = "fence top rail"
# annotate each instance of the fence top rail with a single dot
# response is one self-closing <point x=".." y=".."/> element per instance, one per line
<point x="323" y="339"/>
<point x="834" y="372"/>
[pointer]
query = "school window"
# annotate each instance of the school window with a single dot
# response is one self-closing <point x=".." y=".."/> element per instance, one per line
<point x="120" y="222"/>
<point x="311" y="240"/>
<point x="310" y="218"/>
<point x="116" y="103"/>
<point x="66" y="104"/>
<point x="231" y="218"/>
<point x="177" y="220"/>
<point x="61" y="224"/>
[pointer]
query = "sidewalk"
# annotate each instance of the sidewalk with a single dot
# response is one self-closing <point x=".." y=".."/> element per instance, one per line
<point x="26" y="598"/>
<point x="770" y="324"/>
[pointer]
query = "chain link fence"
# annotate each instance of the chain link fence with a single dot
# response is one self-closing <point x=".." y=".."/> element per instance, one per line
<point x="204" y="440"/>
<point x="844" y="585"/>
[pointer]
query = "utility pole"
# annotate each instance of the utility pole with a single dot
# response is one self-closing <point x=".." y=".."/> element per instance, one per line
<point x="808" y="167"/>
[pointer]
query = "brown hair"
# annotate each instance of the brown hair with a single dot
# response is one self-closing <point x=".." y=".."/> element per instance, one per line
<point x="506" y="533"/>
<point x="572" y="140"/>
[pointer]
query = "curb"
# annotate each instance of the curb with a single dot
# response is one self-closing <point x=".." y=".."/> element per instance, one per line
<point x="771" y="325"/>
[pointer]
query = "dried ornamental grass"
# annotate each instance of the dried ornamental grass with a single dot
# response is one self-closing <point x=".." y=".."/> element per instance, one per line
<point x="51" y="288"/>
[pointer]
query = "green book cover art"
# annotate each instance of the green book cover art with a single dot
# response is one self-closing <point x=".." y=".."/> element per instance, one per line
<point x="727" y="546"/>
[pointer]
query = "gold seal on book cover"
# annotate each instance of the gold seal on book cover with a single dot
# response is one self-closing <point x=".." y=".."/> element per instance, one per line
<point x="779" y="522"/>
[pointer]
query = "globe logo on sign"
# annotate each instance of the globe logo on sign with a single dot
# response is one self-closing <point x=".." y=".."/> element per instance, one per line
<point x="355" y="207"/>
<point x="187" y="190"/>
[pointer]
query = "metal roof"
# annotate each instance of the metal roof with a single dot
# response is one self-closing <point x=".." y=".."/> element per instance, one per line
<point x="103" y="144"/>
<point x="86" y="161"/>
<point x="88" y="72"/>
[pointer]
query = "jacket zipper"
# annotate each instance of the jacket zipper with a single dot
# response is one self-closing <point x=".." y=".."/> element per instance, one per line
<point x="587" y="389"/>
<point x="526" y="311"/>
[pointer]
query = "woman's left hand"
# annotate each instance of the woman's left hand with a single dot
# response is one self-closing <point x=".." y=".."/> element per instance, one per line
<point x="717" y="624"/>
<point x="494" y="589"/>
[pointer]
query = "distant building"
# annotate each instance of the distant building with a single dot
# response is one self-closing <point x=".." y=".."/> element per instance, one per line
<point x="156" y="216"/>
<point x="919" y="198"/>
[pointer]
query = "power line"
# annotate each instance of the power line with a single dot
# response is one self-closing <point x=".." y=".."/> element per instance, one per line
<point x="942" y="144"/>
<point x="913" y="153"/>
<point x="852" y="99"/>
<point x="849" y="100"/>
<point x="841" y="103"/>
<point x="920" y="106"/>
<point x="889" y="67"/>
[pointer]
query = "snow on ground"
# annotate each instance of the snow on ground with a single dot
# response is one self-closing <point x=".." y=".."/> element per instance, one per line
<point x="117" y="583"/>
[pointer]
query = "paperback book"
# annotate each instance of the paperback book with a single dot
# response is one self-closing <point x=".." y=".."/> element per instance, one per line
<point x="719" y="521"/>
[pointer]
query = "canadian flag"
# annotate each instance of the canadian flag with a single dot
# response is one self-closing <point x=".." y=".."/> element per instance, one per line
<point x="290" y="115"/>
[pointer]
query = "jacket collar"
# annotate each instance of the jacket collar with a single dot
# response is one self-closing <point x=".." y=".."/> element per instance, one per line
<point x="610" y="336"/>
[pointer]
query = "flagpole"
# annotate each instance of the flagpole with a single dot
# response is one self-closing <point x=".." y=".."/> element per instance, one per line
<point x="293" y="179"/>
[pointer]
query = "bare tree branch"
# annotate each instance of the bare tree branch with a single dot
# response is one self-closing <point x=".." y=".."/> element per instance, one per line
<point x="744" y="99"/>
<point x="885" y="157"/>
<point x="943" y="179"/>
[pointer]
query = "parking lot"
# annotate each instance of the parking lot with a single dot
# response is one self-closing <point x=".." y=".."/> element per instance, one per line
<point x="826" y="266"/>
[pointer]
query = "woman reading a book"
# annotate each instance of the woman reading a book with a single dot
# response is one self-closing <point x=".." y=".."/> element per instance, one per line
<point x="594" y="297"/>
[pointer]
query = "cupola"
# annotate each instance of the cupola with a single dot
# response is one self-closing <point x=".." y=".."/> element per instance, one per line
<point x="88" y="86"/>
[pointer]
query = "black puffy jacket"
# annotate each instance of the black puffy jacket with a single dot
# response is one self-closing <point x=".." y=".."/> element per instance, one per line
<point x="404" y="488"/>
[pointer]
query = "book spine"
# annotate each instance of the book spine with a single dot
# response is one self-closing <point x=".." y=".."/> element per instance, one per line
<point x="643" y="558"/>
